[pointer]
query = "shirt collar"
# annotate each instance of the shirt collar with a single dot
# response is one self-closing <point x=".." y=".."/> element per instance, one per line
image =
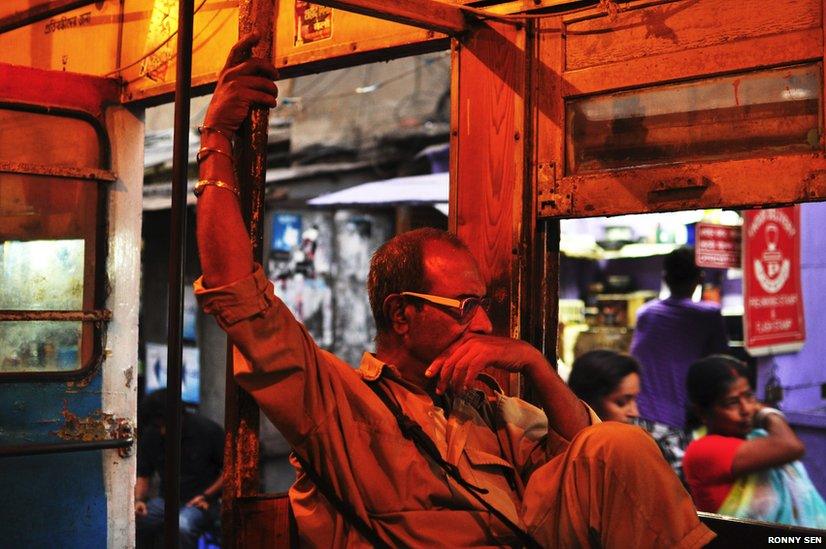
<point x="371" y="368"/>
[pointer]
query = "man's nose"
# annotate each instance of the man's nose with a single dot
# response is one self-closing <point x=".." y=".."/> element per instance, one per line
<point x="480" y="322"/>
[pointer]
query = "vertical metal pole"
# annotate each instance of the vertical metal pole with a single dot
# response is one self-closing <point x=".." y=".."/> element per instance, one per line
<point x="177" y="229"/>
<point x="241" y="453"/>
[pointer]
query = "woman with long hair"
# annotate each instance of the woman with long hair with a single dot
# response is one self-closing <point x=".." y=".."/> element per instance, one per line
<point x="744" y="459"/>
<point x="609" y="382"/>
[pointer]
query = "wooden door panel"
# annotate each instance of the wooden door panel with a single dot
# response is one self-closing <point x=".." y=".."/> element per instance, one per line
<point x="645" y="30"/>
<point x="647" y="45"/>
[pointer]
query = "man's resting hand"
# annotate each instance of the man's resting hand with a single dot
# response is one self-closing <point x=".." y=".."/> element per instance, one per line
<point x="460" y="363"/>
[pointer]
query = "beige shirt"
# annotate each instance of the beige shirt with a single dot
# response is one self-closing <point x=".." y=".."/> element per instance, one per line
<point x="334" y="420"/>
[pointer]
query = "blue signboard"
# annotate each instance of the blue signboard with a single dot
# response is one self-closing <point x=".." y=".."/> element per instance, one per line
<point x="286" y="231"/>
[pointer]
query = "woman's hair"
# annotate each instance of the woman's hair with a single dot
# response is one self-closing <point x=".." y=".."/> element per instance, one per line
<point x="596" y="374"/>
<point x="709" y="379"/>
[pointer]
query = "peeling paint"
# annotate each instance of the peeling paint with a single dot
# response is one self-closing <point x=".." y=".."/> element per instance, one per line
<point x="97" y="426"/>
<point x="128" y="374"/>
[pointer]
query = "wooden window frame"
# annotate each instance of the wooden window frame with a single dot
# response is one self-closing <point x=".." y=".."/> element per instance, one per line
<point x="570" y="45"/>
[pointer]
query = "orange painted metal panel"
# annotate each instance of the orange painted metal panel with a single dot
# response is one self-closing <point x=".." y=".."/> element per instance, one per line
<point x="148" y="50"/>
<point x="341" y="39"/>
<point x="84" y="40"/>
<point x="673" y="27"/>
<point x="77" y="91"/>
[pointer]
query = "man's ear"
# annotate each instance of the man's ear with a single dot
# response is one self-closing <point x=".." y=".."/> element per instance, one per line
<point x="394" y="311"/>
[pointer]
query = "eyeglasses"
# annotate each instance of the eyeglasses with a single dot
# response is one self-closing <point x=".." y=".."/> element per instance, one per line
<point x="463" y="308"/>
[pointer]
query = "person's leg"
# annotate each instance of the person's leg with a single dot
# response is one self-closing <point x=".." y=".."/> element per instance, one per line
<point x="611" y="488"/>
<point x="193" y="523"/>
<point x="149" y="527"/>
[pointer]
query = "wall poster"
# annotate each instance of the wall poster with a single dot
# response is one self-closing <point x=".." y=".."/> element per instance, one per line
<point x="312" y="22"/>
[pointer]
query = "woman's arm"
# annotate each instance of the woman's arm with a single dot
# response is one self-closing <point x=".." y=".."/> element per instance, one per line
<point x="780" y="447"/>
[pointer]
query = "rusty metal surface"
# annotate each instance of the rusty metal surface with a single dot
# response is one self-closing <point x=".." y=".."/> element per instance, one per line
<point x="124" y="448"/>
<point x="732" y="183"/>
<point x="97" y="431"/>
<point x="97" y="426"/>
<point x="97" y="315"/>
<point x="241" y="450"/>
<point x="25" y="168"/>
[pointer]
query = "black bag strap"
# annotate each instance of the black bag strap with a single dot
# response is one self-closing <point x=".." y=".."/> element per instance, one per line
<point x="344" y="508"/>
<point x="414" y="432"/>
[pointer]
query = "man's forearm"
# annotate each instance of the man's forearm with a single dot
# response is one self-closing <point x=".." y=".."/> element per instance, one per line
<point x="213" y="490"/>
<point x="566" y="414"/>
<point x="141" y="488"/>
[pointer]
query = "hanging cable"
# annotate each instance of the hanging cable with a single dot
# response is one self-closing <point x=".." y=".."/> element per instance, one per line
<point x="172" y="35"/>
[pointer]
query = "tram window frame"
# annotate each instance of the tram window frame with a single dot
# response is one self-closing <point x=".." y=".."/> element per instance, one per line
<point x="92" y="316"/>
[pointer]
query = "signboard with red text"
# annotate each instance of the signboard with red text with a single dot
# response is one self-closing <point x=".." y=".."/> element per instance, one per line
<point x="717" y="246"/>
<point x="772" y="296"/>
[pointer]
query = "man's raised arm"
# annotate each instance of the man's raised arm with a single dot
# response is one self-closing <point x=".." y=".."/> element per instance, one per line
<point x="223" y="242"/>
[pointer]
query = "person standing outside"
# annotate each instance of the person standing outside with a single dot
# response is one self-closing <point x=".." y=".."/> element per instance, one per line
<point x="670" y="335"/>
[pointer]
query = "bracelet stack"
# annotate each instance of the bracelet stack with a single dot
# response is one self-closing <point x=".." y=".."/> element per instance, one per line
<point x="203" y="152"/>
<point x="203" y="183"/>
<point x="204" y="128"/>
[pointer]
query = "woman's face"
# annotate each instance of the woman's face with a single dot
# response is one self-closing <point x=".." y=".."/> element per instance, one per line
<point x="733" y="413"/>
<point x="621" y="404"/>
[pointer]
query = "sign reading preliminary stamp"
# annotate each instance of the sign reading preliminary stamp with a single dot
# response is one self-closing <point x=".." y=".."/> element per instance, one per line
<point x="772" y="295"/>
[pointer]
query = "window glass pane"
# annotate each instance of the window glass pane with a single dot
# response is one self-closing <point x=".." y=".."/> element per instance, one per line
<point x="47" y="139"/>
<point x="42" y="346"/>
<point x="42" y="274"/>
<point x="767" y="112"/>
<point x="48" y="242"/>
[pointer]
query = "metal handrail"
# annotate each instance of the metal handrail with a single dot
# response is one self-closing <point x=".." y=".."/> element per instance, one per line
<point x="64" y="447"/>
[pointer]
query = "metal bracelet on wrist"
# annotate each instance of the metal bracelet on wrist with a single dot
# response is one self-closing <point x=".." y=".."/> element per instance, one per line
<point x="762" y="415"/>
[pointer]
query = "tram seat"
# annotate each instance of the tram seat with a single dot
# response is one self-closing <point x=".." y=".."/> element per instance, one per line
<point x="279" y="524"/>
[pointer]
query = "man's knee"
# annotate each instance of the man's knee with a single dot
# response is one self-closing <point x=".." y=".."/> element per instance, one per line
<point x="615" y="441"/>
<point x="192" y="521"/>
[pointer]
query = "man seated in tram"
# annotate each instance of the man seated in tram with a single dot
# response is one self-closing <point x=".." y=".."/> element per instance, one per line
<point x="406" y="451"/>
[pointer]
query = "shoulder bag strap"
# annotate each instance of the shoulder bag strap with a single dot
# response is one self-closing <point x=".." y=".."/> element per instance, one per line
<point x="344" y="508"/>
<point x="414" y="432"/>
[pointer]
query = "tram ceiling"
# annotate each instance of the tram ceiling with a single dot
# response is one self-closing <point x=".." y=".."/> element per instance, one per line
<point x="134" y="40"/>
<point x="598" y="140"/>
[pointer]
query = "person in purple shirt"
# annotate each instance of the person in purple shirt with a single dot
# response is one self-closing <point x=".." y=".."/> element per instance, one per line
<point x="670" y="335"/>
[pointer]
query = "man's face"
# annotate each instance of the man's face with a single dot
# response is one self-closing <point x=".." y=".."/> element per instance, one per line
<point x="452" y="273"/>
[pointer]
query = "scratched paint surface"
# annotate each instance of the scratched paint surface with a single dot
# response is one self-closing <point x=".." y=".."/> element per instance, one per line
<point x="52" y="500"/>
